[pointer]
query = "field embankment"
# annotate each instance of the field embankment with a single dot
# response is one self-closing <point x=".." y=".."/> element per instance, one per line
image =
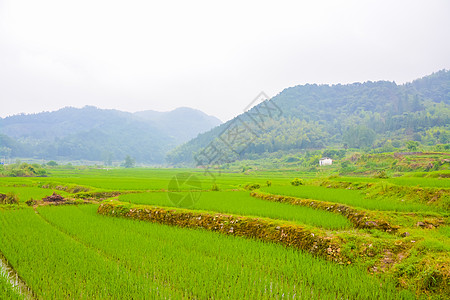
<point x="314" y="241"/>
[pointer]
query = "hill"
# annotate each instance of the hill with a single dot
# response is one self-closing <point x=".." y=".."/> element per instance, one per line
<point x="360" y="115"/>
<point x="90" y="133"/>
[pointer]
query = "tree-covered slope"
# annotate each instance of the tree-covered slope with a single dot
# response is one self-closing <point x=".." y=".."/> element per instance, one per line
<point x="359" y="115"/>
<point x="96" y="134"/>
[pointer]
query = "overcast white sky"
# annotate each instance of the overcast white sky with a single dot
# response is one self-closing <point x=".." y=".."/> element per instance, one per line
<point x="210" y="55"/>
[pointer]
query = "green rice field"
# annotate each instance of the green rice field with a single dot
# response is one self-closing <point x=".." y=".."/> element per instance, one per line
<point x="242" y="204"/>
<point x="101" y="257"/>
<point x="73" y="252"/>
<point x="6" y="289"/>
<point x="354" y="198"/>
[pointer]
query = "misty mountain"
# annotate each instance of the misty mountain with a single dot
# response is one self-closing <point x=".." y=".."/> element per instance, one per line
<point x="91" y="133"/>
<point x="182" y="123"/>
<point x="359" y="115"/>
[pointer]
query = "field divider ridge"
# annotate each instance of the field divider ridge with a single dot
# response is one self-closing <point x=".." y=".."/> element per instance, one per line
<point x="14" y="279"/>
<point x="360" y="218"/>
<point x="316" y="242"/>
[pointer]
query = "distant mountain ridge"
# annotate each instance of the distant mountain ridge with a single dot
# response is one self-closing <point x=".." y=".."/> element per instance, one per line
<point x="378" y="114"/>
<point x="90" y="133"/>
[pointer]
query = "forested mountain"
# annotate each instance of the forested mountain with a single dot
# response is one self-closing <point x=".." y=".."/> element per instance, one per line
<point x="360" y="115"/>
<point x="96" y="134"/>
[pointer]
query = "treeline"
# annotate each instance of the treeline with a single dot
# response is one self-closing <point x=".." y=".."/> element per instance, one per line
<point x="20" y="169"/>
<point x="374" y="115"/>
<point x="103" y="135"/>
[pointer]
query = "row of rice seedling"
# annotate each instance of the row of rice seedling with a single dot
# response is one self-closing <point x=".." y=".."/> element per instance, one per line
<point x="421" y="181"/>
<point x="204" y="265"/>
<point x="55" y="266"/>
<point x="157" y="179"/>
<point x="145" y="179"/>
<point x="243" y="204"/>
<point x="26" y="193"/>
<point x="6" y="289"/>
<point x="409" y="180"/>
<point x="16" y="181"/>
<point x="350" y="197"/>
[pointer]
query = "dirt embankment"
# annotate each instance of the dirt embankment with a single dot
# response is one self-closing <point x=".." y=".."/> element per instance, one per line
<point x="360" y="218"/>
<point x="316" y="242"/>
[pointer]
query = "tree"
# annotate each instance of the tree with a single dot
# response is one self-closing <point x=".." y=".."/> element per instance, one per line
<point x="107" y="158"/>
<point x="52" y="163"/>
<point x="412" y="145"/>
<point x="129" y="162"/>
<point x="359" y="137"/>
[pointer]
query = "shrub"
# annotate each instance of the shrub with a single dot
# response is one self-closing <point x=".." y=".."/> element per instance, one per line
<point x="297" y="182"/>
<point x="30" y="202"/>
<point x="23" y="170"/>
<point x="345" y="164"/>
<point x="252" y="186"/>
<point x="215" y="187"/>
<point x="269" y="183"/>
<point x="381" y="174"/>
<point x="9" y="198"/>
<point x="52" y="163"/>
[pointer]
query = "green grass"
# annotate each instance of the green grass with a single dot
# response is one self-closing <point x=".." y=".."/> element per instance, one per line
<point x="445" y="231"/>
<point x="56" y="266"/>
<point x="204" y="265"/>
<point x="72" y="252"/>
<point x="422" y="181"/>
<point x="25" y="193"/>
<point x="241" y="203"/>
<point x="408" y="180"/>
<point x="6" y="289"/>
<point x="350" y="197"/>
<point x="148" y="179"/>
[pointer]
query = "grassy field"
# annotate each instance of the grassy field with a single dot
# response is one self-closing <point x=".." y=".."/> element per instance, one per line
<point x="68" y="252"/>
<point x="414" y="179"/>
<point x="354" y="198"/>
<point x="26" y="193"/>
<point x="241" y="203"/>
<point x="6" y="290"/>
<point x="102" y="257"/>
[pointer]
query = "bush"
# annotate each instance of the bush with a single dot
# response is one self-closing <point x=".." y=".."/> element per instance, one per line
<point x="269" y="183"/>
<point x="30" y="202"/>
<point x="252" y="186"/>
<point x="9" y="198"/>
<point x="23" y="170"/>
<point x="345" y="164"/>
<point x="52" y="163"/>
<point x="215" y="188"/>
<point x="297" y="182"/>
<point x="381" y="174"/>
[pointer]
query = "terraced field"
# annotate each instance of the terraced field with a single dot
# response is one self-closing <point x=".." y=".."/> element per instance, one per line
<point x="242" y="204"/>
<point x="87" y="256"/>
<point x="6" y="289"/>
<point x="353" y="198"/>
<point x="73" y="252"/>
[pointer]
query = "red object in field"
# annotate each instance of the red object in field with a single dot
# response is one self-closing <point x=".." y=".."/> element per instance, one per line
<point x="54" y="198"/>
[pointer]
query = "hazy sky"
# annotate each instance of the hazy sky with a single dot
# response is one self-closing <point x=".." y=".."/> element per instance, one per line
<point x="210" y="55"/>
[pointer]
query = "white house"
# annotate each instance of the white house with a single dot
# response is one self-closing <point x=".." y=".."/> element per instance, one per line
<point x="325" y="161"/>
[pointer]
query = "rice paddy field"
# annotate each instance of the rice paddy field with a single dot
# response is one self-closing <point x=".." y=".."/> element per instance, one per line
<point x="354" y="198"/>
<point x="61" y="250"/>
<point x="242" y="204"/>
<point x="7" y="291"/>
